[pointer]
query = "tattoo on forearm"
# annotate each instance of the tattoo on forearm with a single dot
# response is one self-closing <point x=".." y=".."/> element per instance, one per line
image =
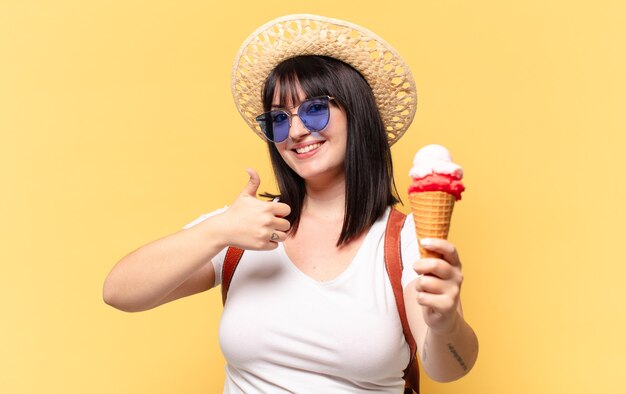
<point x="457" y="357"/>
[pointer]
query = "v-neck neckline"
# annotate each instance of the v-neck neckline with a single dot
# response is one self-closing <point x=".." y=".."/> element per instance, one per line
<point x="343" y="274"/>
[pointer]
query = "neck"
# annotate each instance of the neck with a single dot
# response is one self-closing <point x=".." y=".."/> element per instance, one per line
<point x="326" y="199"/>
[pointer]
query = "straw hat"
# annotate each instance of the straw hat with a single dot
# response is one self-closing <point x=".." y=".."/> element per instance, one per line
<point x="295" y="35"/>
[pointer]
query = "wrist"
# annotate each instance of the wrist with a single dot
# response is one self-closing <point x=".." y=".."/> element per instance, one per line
<point x="214" y="230"/>
<point x="450" y="330"/>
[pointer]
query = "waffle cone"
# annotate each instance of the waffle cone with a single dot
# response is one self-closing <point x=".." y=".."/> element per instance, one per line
<point x="432" y="212"/>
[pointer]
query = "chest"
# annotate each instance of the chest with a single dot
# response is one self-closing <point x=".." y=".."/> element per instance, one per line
<point x="281" y="325"/>
<point x="314" y="251"/>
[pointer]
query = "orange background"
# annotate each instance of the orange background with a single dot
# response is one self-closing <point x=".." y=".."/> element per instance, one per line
<point x="117" y="127"/>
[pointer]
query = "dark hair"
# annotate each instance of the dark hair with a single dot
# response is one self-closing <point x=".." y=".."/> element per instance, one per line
<point x="370" y="187"/>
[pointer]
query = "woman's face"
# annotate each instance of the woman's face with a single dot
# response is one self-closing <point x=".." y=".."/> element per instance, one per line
<point x="318" y="155"/>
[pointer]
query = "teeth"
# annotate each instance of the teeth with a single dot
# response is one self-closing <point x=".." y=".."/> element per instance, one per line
<point x="308" y="148"/>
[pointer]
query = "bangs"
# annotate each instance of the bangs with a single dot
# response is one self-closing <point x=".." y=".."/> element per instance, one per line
<point x="302" y="74"/>
<point x="288" y="93"/>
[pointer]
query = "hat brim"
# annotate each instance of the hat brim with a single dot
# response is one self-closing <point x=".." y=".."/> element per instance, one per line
<point x="302" y="34"/>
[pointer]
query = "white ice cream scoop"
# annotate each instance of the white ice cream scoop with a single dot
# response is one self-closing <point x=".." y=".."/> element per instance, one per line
<point x="434" y="159"/>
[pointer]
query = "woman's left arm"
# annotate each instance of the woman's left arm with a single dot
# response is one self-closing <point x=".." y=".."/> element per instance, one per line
<point x="446" y="344"/>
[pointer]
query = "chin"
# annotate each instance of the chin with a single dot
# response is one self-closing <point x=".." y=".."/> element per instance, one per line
<point x="317" y="172"/>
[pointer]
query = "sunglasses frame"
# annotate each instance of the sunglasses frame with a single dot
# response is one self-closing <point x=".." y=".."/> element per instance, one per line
<point x="290" y="115"/>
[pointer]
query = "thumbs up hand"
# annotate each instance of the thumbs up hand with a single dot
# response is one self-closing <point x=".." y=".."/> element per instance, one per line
<point x="250" y="223"/>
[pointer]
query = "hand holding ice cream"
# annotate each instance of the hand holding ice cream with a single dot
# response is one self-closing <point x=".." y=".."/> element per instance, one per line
<point x="435" y="188"/>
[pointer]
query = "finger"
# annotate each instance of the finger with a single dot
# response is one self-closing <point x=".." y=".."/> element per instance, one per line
<point x="429" y="284"/>
<point x="253" y="183"/>
<point x="269" y="245"/>
<point x="445" y="248"/>
<point x="281" y="209"/>
<point x="435" y="267"/>
<point x="281" y="224"/>
<point x="277" y="236"/>
<point x="439" y="303"/>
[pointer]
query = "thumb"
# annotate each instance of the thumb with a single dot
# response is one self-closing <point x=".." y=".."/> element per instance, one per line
<point x="253" y="183"/>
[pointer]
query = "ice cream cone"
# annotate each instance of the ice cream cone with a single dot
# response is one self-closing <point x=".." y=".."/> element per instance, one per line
<point x="432" y="211"/>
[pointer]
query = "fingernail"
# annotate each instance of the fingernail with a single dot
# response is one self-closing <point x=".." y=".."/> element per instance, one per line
<point x="426" y="242"/>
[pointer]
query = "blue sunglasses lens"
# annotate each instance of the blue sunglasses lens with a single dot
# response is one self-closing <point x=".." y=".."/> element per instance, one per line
<point x="314" y="114"/>
<point x="275" y="125"/>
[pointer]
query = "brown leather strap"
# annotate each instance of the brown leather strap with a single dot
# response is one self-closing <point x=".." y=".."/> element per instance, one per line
<point x="233" y="255"/>
<point x="393" y="264"/>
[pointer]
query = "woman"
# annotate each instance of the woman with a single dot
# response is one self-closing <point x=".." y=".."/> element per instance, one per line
<point x="310" y="308"/>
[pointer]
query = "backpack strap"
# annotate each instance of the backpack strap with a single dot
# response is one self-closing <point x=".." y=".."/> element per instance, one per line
<point x="233" y="255"/>
<point x="393" y="264"/>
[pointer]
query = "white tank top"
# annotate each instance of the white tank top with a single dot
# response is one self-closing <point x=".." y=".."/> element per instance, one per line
<point x="284" y="332"/>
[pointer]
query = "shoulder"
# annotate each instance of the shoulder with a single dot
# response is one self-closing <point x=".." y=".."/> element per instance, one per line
<point x="408" y="225"/>
<point x="205" y="216"/>
<point x="408" y="229"/>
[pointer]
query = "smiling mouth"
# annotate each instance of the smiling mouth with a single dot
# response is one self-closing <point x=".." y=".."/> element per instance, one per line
<point x="308" y="148"/>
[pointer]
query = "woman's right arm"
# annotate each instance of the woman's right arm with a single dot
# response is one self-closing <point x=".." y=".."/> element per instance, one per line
<point x="164" y="270"/>
<point x="180" y="265"/>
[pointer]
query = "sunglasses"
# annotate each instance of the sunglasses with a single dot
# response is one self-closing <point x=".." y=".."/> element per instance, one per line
<point x="314" y="113"/>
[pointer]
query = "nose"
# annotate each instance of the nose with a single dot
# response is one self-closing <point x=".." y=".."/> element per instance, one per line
<point x="297" y="129"/>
